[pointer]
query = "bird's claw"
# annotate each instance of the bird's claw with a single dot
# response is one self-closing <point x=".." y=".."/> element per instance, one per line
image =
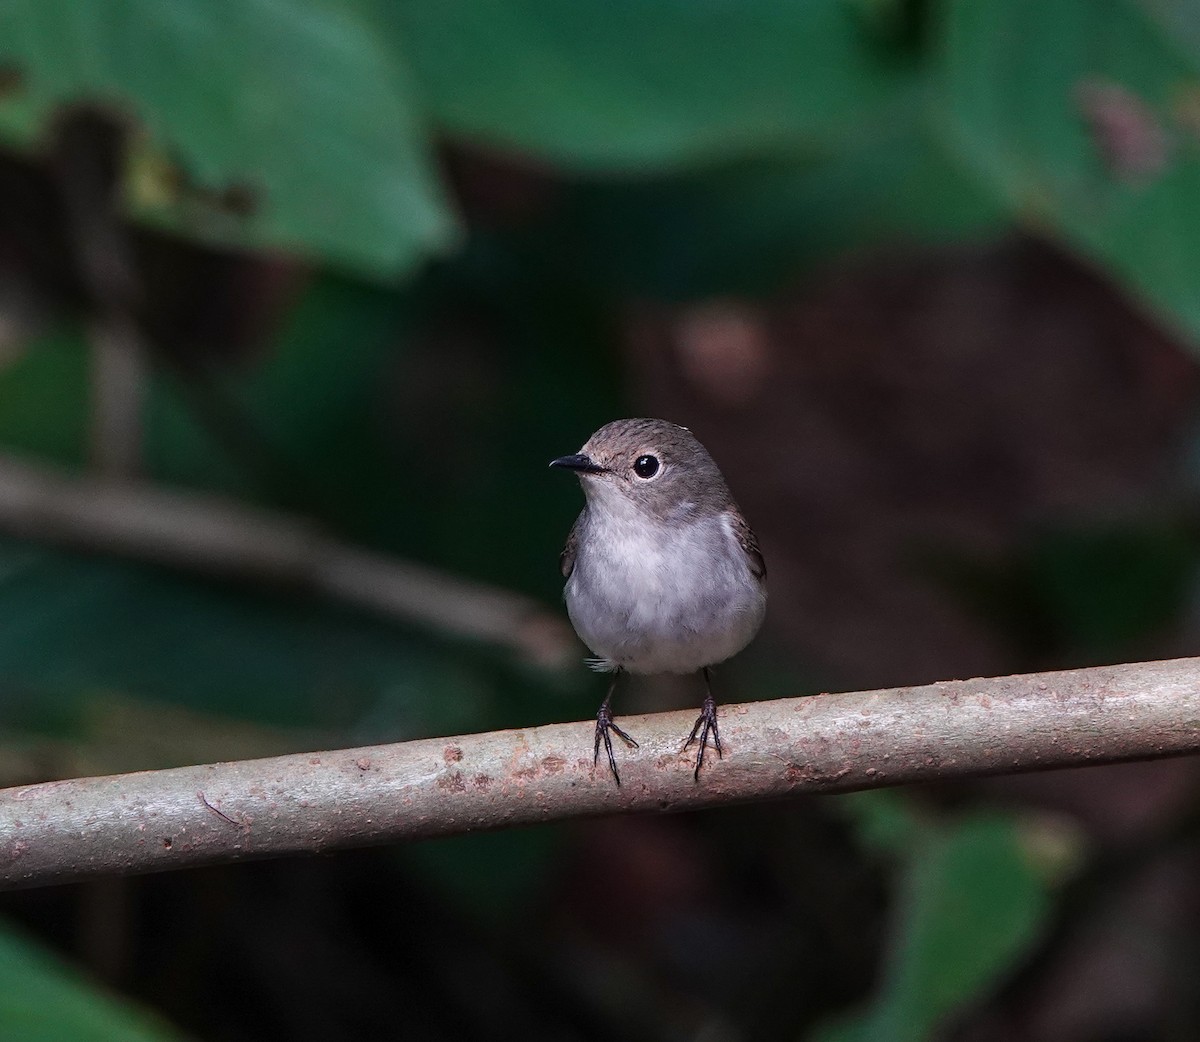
<point x="605" y="724"/>
<point x="706" y="724"/>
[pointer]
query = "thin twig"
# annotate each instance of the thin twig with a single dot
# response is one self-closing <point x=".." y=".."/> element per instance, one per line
<point x="152" y="821"/>
<point x="89" y="160"/>
<point x="220" y="813"/>
<point x="119" y="374"/>
<point x="221" y="537"/>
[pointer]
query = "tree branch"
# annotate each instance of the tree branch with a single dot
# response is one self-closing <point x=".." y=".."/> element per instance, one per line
<point x="158" y="820"/>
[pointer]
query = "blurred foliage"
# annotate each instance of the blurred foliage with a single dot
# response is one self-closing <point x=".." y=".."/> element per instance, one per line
<point x="972" y="900"/>
<point x="1093" y="135"/>
<point x="1090" y="136"/>
<point x="627" y="86"/>
<point x="740" y="227"/>
<point x="43" y="1000"/>
<point x="675" y="150"/>
<point x="1083" y="591"/>
<point x="261" y="122"/>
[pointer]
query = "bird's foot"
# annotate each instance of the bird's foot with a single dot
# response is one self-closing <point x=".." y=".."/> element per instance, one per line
<point x="605" y="724"/>
<point x="706" y="724"/>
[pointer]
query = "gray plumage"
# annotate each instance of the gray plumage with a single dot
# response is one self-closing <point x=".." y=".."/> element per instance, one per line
<point x="663" y="573"/>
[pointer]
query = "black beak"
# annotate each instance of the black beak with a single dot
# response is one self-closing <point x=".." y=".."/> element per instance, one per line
<point x="579" y="463"/>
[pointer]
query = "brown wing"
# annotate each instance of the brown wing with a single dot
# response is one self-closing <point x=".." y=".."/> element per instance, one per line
<point x="566" y="560"/>
<point x="749" y="543"/>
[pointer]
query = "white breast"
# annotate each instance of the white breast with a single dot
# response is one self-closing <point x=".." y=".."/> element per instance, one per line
<point x="653" y="598"/>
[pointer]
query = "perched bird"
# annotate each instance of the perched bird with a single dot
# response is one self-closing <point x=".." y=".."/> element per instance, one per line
<point x="663" y="573"/>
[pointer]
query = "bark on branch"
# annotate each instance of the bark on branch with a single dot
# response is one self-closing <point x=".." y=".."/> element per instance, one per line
<point x="158" y="820"/>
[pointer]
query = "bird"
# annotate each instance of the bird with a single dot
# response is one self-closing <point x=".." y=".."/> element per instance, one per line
<point x="663" y="573"/>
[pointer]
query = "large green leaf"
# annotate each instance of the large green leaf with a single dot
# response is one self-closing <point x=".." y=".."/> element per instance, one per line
<point x="294" y="105"/>
<point x="973" y="899"/>
<point x="630" y="84"/>
<point x="71" y="626"/>
<point x="1084" y="115"/>
<point x="746" y="227"/>
<point x="44" y="1000"/>
<point x="973" y="903"/>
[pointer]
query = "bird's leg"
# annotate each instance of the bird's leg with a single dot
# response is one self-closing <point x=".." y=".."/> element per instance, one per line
<point x="604" y="724"/>
<point x="706" y="724"/>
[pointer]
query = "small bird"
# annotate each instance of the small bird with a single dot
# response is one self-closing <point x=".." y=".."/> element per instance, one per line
<point x="663" y="573"/>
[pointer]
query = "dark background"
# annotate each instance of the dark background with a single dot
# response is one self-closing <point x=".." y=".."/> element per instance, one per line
<point x="921" y="275"/>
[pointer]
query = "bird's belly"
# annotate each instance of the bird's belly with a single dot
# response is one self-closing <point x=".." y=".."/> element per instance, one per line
<point x="657" y="612"/>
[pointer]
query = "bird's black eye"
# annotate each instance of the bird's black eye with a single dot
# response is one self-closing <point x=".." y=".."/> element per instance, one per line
<point x="646" y="466"/>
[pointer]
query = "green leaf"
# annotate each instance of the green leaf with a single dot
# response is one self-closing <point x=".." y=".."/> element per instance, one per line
<point x="294" y="108"/>
<point x="972" y="903"/>
<point x="44" y="1000"/>
<point x="71" y="626"/>
<point x="1093" y="589"/>
<point x="1085" y="117"/>
<point x="745" y="228"/>
<point x="310" y="428"/>
<point x="1107" y="587"/>
<point x="44" y="399"/>
<point x="634" y="84"/>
